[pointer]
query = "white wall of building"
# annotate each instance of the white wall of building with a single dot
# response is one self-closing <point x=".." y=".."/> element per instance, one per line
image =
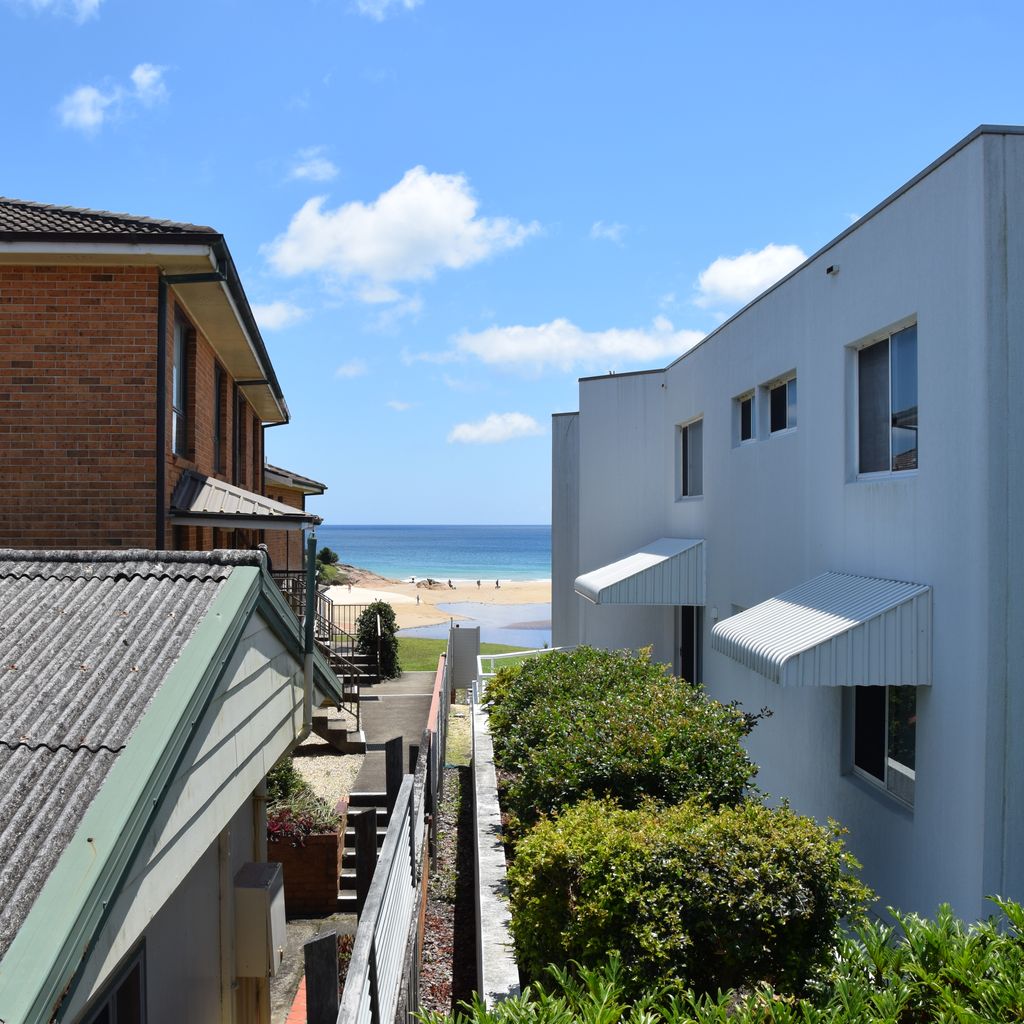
<point x="179" y="892"/>
<point x="776" y="512"/>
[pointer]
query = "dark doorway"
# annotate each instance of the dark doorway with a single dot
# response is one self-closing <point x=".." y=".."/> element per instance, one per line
<point x="691" y="622"/>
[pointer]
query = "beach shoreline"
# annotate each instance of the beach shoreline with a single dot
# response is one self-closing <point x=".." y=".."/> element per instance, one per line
<point x="415" y="603"/>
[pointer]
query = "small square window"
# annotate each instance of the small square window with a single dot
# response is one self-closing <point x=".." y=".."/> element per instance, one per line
<point x="885" y="737"/>
<point x="782" y="406"/>
<point x="691" y="459"/>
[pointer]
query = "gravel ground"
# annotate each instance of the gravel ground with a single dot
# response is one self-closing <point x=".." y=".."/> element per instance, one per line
<point x="329" y="774"/>
<point x="448" y="966"/>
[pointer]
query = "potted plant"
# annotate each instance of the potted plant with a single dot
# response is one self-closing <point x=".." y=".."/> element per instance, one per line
<point x="304" y="836"/>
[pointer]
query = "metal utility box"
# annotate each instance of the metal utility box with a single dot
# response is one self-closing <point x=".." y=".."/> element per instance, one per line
<point x="259" y="920"/>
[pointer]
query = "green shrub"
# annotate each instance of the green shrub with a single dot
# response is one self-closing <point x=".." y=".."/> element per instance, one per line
<point x="283" y="780"/>
<point x="366" y="637"/>
<point x="327" y="556"/>
<point x="924" y="971"/>
<point x="294" y="811"/>
<point x="603" y="723"/>
<point x="709" y="899"/>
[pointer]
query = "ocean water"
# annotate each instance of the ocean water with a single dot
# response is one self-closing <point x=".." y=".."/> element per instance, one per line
<point x="458" y="553"/>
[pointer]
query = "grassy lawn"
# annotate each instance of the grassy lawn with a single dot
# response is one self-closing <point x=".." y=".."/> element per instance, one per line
<point x="418" y="654"/>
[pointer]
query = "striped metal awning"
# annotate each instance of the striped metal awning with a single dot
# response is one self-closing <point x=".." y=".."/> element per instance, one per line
<point x="667" y="571"/>
<point x="200" y="500"/>
<point x="836" y="630"/>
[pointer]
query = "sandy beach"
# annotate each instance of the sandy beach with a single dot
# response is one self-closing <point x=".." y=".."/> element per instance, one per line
<point x="402" y="595"/>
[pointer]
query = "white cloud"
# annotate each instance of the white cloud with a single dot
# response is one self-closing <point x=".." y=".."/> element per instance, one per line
<point x="496" y="428"/>
<point x="148" y="80"/>
<point x="273" y="316"/>
<point x="378" y="9"/>
<point x="399" y="406"/>
<point x="353" y="368"/>
<point x="80" y="10"/>
<point x="738" y="279"/>
<point x="311" y="165"/>
<point x="561" y="345"/>
<point x="425" y="223"/>
<point x="607" y="232"/>
<point x="88" y="107"/>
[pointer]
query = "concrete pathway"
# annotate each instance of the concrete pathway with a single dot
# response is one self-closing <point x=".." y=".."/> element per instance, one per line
<point x="395" y="707"/>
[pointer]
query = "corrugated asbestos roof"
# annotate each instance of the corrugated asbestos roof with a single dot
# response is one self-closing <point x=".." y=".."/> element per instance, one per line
<point x="199" y="496"/>
<point x="86" y="639"/>
<point x="21" y="217"/>
<point x="836" y="630"/>
<point x="665" y="571"/>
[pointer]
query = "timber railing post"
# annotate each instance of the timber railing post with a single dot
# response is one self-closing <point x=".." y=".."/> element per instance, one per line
<point x="393" y="770"/>
<point x="366" y="853"/>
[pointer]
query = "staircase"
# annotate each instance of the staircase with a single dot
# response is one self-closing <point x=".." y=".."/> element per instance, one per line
<point x="354" y="669"/>
<point x="374" y="804"/>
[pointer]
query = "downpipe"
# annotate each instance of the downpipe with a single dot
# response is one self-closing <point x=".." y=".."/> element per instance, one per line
<point x="309" y="623"/>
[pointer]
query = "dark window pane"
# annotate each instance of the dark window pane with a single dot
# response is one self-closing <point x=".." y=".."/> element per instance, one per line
<point x="128" y="1001"/>
<point x="687" y="645"/>
<point x="869" y="730"/>
<point x="791" y="403"/>
<point x="903" y="725"/>
<point x="746" y="419"/>
<point x="778" y="408"/>
<point x="684" y="468"/>
<point x="873" y="408"/>
<point x="695" y="458"/>
<point x="904" y="399"/>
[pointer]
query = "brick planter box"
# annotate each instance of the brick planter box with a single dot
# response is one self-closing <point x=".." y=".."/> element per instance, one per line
<point x="311" y="872"/>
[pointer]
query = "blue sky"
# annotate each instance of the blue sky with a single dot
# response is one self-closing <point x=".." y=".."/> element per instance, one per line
<point x="445" y="212"/>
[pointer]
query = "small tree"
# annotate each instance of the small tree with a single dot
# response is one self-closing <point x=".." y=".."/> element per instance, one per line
<point x="366" y="637"/>
<point x="327" y="556"/>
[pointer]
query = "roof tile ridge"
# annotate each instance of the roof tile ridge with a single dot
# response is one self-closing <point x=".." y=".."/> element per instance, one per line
<point x="89" y="212"/>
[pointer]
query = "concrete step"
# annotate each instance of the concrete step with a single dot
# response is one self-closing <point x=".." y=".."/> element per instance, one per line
<point x="348" y="902"/>
<point x="350" y="838"/>
<point x="336" y="732"/>
<point x="367" y="798"/>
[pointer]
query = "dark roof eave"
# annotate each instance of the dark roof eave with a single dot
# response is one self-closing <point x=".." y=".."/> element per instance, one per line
<point x="241" y="521"/>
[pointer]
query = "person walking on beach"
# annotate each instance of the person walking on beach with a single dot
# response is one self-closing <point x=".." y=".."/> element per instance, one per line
<point x="497" y="585"/>
<point x="477" y="584"/>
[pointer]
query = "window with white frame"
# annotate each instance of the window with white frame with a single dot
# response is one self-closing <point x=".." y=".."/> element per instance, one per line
<point x="691" y="459"/>
<point x="887" y="404"/>
<point x="885" y="737"/>
<point x="782" y="405"/>
<point x="744" y="417"/>
<point x="179" y="390"/>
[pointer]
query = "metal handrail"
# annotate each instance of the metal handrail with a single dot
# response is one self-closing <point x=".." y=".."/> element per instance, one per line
<point x="378" y="953"/>
<point x="479" y="684"/>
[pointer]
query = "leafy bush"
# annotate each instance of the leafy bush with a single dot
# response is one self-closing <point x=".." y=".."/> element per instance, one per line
<point x="283" y="781"/>
<point x="923" y="971"/>
<point x="610" y="723"/>
<point x="294" y="811"/>
<point x="366" y="637"/>
<point x="327" y="556"/>
<point x="709" y="899"/>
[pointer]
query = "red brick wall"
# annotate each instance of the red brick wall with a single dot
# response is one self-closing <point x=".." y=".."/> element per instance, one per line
<point x="200" y="454"/>
<point x="78" y="411"/>
<point x="77" y="406"/>
<point x="285" y="546"/>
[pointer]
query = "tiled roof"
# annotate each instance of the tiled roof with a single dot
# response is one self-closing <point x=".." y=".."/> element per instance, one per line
<point x="86" y="639"/>
<point x="202" y="496"/>
<point x="18" y="217"/>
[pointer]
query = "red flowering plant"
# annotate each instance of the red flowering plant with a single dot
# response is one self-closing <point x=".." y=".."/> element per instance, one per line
<point x="295" y="811"/>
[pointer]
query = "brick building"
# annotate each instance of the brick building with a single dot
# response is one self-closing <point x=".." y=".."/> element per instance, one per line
<point x="136" y="389"/>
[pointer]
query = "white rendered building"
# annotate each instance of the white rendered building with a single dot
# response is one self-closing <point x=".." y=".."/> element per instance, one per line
<point x="819" y="509"/>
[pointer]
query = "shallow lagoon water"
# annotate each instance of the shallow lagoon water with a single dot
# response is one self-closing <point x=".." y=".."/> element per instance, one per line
<point x="518" y="625"/>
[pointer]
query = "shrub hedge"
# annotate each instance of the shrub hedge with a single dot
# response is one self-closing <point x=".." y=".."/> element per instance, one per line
<point x="921" y="972"/>
<point x="707" y="898"/>
<point x="366" y="636"/>
<point x="571" y="725"/>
